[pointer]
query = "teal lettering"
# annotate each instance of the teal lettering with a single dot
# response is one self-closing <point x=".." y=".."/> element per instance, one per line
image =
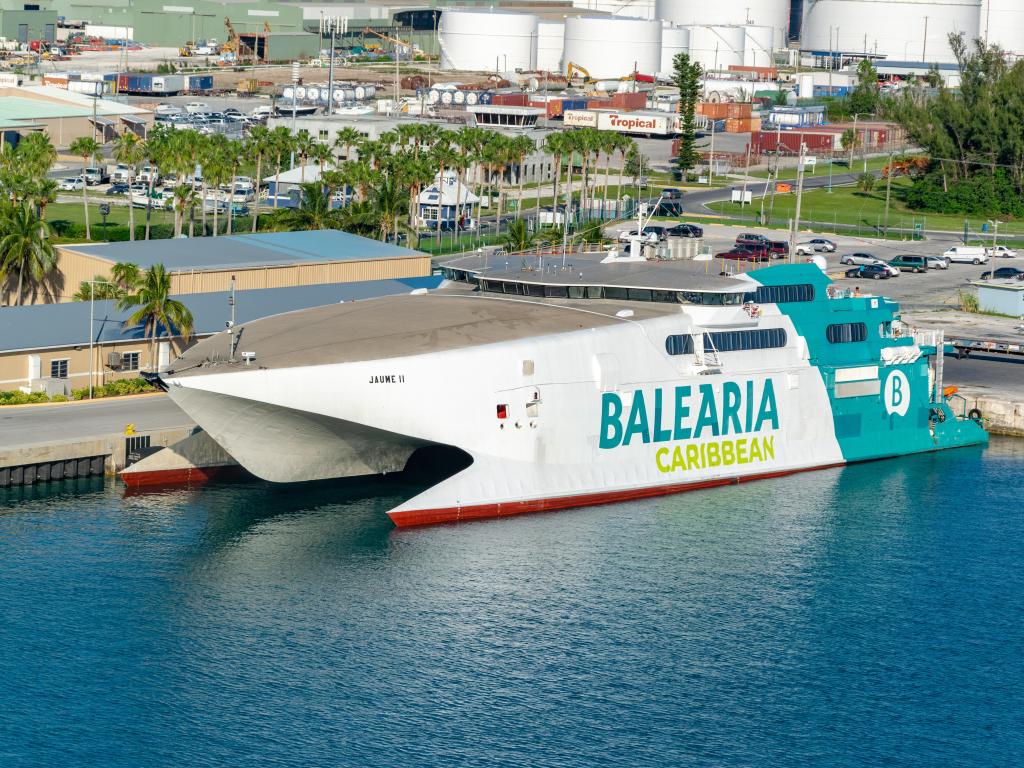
<point x="768" y="411"/>
<point x="731" y="407"/>
<point x="708" y="416"/>
<point x="750" y="406"/>
<point x="637" y="420"/>
<point x="660" y="435"/>
<point x="611" y="426"/>
<point x="682" y="411"/>
<point x="897" y="391"/>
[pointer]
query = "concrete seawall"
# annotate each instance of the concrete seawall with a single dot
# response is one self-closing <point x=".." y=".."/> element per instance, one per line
<point x="1003" y="416"/>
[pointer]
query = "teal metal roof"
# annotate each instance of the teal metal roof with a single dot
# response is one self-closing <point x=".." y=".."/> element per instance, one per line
<point x="241" y="251"/>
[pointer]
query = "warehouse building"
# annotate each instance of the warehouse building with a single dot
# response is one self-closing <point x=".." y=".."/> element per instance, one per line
<point x="66" y="115"/>
<point x="23" y="21"/>
<point x="266" y="260"/>
<point x="158" y="23"/>
<point x="46" y="347"/>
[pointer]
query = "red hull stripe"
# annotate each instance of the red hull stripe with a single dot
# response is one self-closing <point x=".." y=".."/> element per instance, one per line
<point x="185" y="476"/>
<point x="416" y="517"/>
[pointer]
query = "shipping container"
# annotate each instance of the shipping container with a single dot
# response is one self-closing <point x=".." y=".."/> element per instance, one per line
<point x="645" y="123"/>
<point x="552" y="107"/>
<point x="738" y="110"/>
<point x="636" y="100"/>
<point x="713" y="110"/>
<point x="580" y="118"/>
<point x="599" y="104"/>
<point x="199" y="83"/>
<point x="150" y="84"/>
<point x="742" y="125"/>
<point x="510" y="99"/>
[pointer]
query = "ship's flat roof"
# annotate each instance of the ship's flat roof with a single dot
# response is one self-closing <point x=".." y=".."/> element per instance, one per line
<point x="587" y="269"/>
<point x="402" y="326"/>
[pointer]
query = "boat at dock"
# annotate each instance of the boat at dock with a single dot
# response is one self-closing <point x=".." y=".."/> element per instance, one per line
<point x="550" y="381"/>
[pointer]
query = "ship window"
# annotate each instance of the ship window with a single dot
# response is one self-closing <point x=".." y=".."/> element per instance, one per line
<point x="595" y="292"/>
<point x="494" y="286"/>
<point x="615" y="293"/>
<point x="577" y="292"/>
<point x="782" y="294"/>
<point x="729" y="341"/>
<point x="556" y="291"/>
<point x="638" y="294"/>
<point x="535" y="290"/>
<point x="664" y="296"/>
<point x="845" y="333"/>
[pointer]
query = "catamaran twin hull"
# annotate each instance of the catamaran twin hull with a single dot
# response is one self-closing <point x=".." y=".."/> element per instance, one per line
<point x="561" y="404"/>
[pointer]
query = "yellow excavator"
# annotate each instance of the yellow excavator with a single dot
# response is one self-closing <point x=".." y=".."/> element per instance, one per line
<point x="571" y="68"/>
<point x="394" y="40"/>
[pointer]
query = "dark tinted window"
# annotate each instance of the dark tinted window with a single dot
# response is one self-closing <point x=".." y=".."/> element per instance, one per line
<point x="781" y="294"/>
<point x="729" y="341"/>
<point x="845" y="333"/>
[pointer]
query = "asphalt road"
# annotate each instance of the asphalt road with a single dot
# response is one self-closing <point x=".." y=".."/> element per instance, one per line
<point x="47" y="424"/>
<point x="999" y="375"/>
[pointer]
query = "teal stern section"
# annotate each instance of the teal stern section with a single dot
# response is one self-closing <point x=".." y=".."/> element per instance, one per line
<point x="880" y="380"/>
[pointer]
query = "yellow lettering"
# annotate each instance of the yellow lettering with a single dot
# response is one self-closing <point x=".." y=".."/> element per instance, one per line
<point x="692" y="457"/>
<point x="714" y="459"/>
<point x="728" y="452"/>
<point x="662" y="453"/>
<point x="755" y="451"/>
<point x="741" y="451"/>
<point x="678" y="460"/>
<point x="768" y="444"/>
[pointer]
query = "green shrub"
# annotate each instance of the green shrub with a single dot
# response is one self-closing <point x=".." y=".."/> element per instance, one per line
<point x="110" y="389"/>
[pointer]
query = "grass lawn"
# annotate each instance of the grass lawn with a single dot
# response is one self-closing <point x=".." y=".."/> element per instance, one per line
<point x="864" y="211"/>
<point x="73" y="213"/>
<point x="820" y="170"/>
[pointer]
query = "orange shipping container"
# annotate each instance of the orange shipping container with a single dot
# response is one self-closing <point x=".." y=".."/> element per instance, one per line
<point x="713" y="111"/>
<point x="739" y="110"/>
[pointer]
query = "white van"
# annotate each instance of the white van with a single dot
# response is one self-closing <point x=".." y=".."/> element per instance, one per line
<point x="966" y="254"/>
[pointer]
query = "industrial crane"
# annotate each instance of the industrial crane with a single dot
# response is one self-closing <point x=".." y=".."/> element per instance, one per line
<point x="397" y="43"/>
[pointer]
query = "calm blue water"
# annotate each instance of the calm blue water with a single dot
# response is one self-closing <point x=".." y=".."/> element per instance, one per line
<point x="858" y="617"/>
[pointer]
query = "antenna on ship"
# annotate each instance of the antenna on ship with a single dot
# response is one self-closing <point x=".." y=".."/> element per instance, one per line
<point x="231" y="322"/>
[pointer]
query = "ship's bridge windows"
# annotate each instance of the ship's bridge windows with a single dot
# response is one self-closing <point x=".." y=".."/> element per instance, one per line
<point x="846" y="333"/>
<point x="556" y="292"/>
<point x="615" y="293"/>
<point x="458" y="275"/>
<point x="611" y="292"/>
<point x="782" y="294"/>
<point x="729" y="341"/>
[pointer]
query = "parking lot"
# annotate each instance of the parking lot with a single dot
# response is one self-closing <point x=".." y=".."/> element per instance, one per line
<point x="934" y="290"/>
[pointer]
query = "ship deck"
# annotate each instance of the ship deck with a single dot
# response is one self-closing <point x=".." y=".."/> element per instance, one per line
<point x="399" y="326"/>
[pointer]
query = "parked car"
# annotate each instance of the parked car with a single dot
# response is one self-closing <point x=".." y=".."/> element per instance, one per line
<point x="747" y="239"/>
<point x="167" y="109"/>
<point x="859" y="259"/>
<point x="72" y="184"/>
<point x="937" y="262"/>
<point x="822" y="244"/>
<point x="118" y="188"/>
<point x="1003" y="273"/>
<point x="778" y="249"/>
<point x="232" y="111"/>
<point x="686" y="230"/>
<point x="966" y="254"/>
<point x="672" y="193"/>
<point x="870" y="272"/>
<point x="197" y="106"/>
<point x="804" y="249"/>
<point x="910" y="263"/>
<point x="1002" y="252"/>
<point x="739" y="253"/>
<point x="652" y="233"/>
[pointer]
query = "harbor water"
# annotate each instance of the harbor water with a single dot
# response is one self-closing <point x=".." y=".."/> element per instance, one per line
<point x="865" y="616"/>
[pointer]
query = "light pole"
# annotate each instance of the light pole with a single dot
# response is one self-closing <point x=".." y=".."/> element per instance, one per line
<point x="92" y="339"/>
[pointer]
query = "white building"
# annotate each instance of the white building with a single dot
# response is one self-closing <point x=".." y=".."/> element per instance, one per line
<point x="451" y="200"/>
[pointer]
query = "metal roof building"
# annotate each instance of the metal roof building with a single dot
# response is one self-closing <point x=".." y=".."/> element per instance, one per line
<point x="52" y="341"/>
<point x="264" y="260"/>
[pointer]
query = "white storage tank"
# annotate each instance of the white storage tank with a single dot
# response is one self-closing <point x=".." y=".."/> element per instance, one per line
<point x="611" y="46"/>
<point x="485" y="41"/>
<point x="762" y="13"/>
<point x="674" y="40"/>
<point x="895" y="30"/>
<point x="1002" y="24"/>
<point x="758" y="45"/>
<point x="550" y="42"/>
<point x="717" y="47"/>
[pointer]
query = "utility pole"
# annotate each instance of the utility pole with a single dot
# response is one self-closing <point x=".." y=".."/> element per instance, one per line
<point x="888" y="190"/>
<point x="795" y="225"/>
<point x="231" y="322"/>
<point x="711" y="155"/>
<point x="746" y="174"/>
<point x="924" y="43"/>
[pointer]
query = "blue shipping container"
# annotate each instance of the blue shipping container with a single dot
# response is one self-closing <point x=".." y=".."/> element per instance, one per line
<point x="200" y="82"/>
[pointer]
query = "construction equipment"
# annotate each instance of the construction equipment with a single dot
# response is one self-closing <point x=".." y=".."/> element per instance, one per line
<point x="571" y="68"/>
<point x="398" y="43"/>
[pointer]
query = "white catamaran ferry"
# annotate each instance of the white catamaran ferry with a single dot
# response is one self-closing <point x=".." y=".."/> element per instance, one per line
<point x="565" y="382"/>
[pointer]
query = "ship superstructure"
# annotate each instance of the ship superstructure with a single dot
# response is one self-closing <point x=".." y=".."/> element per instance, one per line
<point x="566" y="381"/>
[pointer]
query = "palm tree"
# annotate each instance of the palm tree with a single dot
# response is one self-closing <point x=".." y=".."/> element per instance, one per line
<point x="87" y="148"/>
<point x="184" y="200"/>
<point x="234" y="155"/>
<point x="313" y="212"/>
<point x="40" y="193"/>
<point x="35" y="154"/>
<point x="155" y="309"/>
<point x="158" y="150"/>
<point x="625" y="146"/>
<point x="215" y="171"/>
<point x="128" y="150"/>
<point x="304" y="144"/>
<point x="521" y="147"/>
<point x="445" y="158"/>
<point x="345" y="139"/>
<point x="258" y="145"/>
<point x="556" y="145"/>
<point x="25" y="249"/>
<point x="518" y="238"/>
<point x="282" y="142"/>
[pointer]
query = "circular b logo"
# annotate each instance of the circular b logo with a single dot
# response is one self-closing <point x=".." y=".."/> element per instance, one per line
<point x="896" y="394"/>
